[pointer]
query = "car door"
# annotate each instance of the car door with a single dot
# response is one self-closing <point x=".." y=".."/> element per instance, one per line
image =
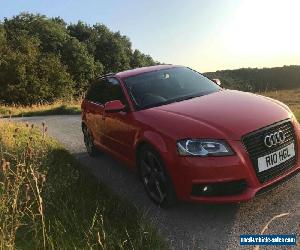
<point x="118" y="131"/>
<point x="94" y="110"/>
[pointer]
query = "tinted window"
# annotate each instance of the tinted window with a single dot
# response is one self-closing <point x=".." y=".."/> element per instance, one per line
<point x="105" y="90"/>
<point x="167" y="86"/>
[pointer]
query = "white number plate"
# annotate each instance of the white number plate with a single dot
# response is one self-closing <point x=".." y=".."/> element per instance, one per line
<point x="276" y="158"/>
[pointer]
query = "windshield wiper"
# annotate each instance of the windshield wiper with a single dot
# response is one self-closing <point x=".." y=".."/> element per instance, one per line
<point x="171" y="101"/>
<point x="178" y="99"/>
<point x="187" y="98"/>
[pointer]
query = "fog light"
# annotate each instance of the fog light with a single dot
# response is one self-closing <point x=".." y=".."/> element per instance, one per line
<point x="219" y="189"/>
<point x="203" y="190"/>
<point x="207" y="190"/>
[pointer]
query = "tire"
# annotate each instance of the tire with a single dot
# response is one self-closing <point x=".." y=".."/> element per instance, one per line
<point x="89" y="142"/>
<point x="155" y="178"/>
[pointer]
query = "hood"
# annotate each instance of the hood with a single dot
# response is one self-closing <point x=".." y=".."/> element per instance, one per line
<point x="227" y="114"/>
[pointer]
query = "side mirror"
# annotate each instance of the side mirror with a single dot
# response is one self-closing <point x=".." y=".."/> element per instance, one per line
<point x="217" y="81"/>
<point x="114" y="106"/>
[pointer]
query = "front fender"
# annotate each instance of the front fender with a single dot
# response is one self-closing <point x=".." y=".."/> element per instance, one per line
<point x="167" y="149"/>
<point x="154" y="139"/>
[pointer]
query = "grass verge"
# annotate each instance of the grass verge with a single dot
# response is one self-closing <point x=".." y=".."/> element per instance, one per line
<point x="289" y="97"/>
<point x="58" y="108"/>
<point x="48" y="202"/>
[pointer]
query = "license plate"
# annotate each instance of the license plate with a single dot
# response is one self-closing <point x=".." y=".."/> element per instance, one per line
<point x="276" y="158"/>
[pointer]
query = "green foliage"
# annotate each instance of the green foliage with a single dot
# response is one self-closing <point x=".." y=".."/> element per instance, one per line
<point x="139" y="60"/>
<point x="44" y="59"/>
<point x="28" y="76"/>
<point x="51" y="33"/>
<point x="80" y="63"/>
<point x="112" y="49"/>
<point x="248" y="79"/>
<point x="2" y="36"/>
<point x="48" y="201"/>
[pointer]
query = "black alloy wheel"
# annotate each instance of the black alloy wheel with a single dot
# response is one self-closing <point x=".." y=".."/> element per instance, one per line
<point x="156" y="181"/>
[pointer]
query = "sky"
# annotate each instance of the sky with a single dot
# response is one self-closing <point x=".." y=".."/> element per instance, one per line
<point x="207" y="35"/>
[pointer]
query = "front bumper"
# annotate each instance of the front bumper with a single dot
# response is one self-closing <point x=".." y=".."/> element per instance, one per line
<point x="192" y="171"/>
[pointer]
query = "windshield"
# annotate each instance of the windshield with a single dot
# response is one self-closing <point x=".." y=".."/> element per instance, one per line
<point x="168" y="85"/>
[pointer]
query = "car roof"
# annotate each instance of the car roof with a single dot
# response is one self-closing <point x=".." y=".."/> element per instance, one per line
<point x="137" y="71"/>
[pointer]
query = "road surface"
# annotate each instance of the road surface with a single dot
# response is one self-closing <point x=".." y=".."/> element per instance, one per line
<point x="187" y="226"/>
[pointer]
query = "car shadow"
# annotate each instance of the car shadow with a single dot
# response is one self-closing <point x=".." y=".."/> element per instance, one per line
<point x="186" y="226"/>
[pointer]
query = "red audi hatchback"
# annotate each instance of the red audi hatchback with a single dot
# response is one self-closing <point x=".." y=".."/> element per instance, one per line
<point x="188" y="138"/>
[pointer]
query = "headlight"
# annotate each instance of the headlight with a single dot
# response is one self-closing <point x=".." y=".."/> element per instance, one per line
<point x="203" y="147"/>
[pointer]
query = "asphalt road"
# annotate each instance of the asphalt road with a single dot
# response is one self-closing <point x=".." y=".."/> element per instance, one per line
<point x="187" y="226"/>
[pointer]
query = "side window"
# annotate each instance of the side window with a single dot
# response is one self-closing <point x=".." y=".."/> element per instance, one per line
<point x="114" y="91"/>
<point x="94" y="93"/>
<point x="106" y="90"/>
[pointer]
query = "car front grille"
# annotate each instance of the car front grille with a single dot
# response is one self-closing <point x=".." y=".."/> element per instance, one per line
<point x="254" y="145"/>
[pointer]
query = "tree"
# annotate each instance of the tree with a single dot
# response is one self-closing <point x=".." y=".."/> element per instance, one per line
<point x="139" y="59"/>
<point x="28" y="76"/>
<point x="253" y="79"/>
<point x="50" y="32"/>
<point x="44" y="59"/>
<point x="81" y="31"/>
<point x="111" y="49"/>
<point x="80" y="64"/>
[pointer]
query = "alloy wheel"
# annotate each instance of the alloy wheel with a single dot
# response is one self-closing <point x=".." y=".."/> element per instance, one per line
<point x="153" y="176"/>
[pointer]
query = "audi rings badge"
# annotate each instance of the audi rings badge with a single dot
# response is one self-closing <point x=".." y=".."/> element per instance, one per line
<point x="274" y="139"/>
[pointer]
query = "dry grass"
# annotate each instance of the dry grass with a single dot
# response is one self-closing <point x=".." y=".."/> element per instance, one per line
<point x="289" y="97"/>
<point x="47" y="201"/>
<point x="58" y="108"/>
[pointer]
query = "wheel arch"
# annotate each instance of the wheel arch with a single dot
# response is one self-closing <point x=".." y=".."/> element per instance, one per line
<point x="159" y="145"/>
<point x="154" y="140"/>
